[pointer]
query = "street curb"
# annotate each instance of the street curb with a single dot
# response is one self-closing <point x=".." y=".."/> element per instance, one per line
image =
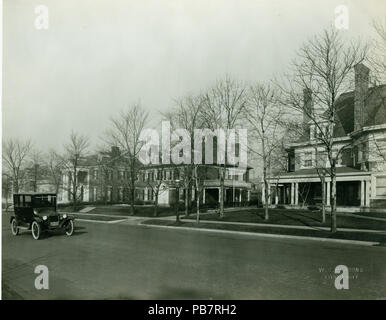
<point x="267" y="235"/>
<point x="285" y="226"/>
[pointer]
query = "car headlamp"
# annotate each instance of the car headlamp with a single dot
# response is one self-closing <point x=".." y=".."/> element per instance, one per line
<point x="35" y="211"/>
<point x="64" y="216"/>
<point x="44" y="218"/>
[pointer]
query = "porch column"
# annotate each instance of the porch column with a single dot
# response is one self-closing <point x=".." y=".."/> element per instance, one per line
<point x="241" y="190"/>
<point x="219" y="195"/>
<point x="328" y="195"/>
<point x="249" y="195"/>
<point x="203" y="195"/>
<point x="277" y="195"/>
<point x="296" y="193"/>
<point x="368" y="193"/>
<point x="292" y="193"/>
<point x="362" y="193"/>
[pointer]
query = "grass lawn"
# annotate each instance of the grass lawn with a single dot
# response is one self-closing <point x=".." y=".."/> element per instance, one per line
<point x="140" y="211"/>
<point x="361" y="236"/>
<point x="293" y="217"/>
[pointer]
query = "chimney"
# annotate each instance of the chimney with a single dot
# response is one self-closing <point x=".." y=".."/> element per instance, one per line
<point x="360" y="94"/>
<point x="307" y="107"/>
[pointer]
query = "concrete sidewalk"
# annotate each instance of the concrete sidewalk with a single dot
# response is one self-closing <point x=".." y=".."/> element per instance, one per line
<point x="283" y="226"/>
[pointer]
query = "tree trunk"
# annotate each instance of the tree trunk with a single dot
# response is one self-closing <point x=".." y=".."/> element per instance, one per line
<point x="177" y="207"/>
<point x="6" y="198"/>
<point x="266" y="191"/>
<point x="333" y="199"/>
<point x="323" y="199"/>
<point x="266" y="194"/>
<point x="74" y="192"/>
<point x="198" y="205"/>
<point x="187" y="198"/>
<point x="221" y="195"/>
<point x="132" y="207"/>
<point x="156" y="206"/>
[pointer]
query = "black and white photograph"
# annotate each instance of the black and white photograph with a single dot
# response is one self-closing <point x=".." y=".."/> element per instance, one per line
<point x="211" y="150"/>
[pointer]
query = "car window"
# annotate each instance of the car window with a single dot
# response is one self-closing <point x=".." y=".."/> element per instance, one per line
<point x="27" y="201"/>
<point x="44" y="201"/>
<point x="21" y="202"/>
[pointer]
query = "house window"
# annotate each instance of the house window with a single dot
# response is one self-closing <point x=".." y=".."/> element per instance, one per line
<point x="308" y="163"/>
<point x="308" y="159"/>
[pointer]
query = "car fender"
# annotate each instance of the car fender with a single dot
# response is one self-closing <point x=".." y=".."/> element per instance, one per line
<point x="64" y="221"/>
<point x="38" y="220"/>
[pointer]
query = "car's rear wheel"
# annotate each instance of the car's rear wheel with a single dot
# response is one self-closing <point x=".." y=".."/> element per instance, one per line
<point x="69" y="228"/>
<point x="14" y="227"/>
<point x="36" y="230"/>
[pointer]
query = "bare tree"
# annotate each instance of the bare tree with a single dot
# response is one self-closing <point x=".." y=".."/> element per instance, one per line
<point x="155" y="184"/>
<point x="74" y="151"/>
<point x="223" y="107"/>
<point x="37" y="168"/>
<point x="186" y="115"/>
<point x="378" y="52"/>
<point x="265" y="115"/>
<point x="55" y="168"/>
<point x="6" y="186"/>
<point x="125" y="133"/>
<point x="15" y="158"/>
<point x="323" y="67"/>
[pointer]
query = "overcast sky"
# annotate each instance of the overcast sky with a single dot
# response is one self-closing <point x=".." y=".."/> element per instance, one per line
<point x="96" y="57"/>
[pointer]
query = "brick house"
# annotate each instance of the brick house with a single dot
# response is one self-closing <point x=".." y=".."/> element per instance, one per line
<point x="361" y="170"/>
<point x="103" y="178"/>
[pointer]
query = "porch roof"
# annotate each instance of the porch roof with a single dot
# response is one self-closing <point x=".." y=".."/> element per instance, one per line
<point x="312" y="172"/>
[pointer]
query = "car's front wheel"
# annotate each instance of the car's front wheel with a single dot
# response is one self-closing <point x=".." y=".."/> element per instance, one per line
<point x="69" y="228"/>
<point x="14" y="227"/>
<point x="36" y="230"/>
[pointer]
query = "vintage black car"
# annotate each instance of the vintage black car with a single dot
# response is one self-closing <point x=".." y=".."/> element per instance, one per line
<point x="37" y="212"/>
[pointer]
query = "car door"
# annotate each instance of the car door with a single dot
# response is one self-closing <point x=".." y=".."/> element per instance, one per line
<point x="28" y="209"/>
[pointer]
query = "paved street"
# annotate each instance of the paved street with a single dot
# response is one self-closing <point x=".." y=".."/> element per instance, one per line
<point x="136" y="262"/>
